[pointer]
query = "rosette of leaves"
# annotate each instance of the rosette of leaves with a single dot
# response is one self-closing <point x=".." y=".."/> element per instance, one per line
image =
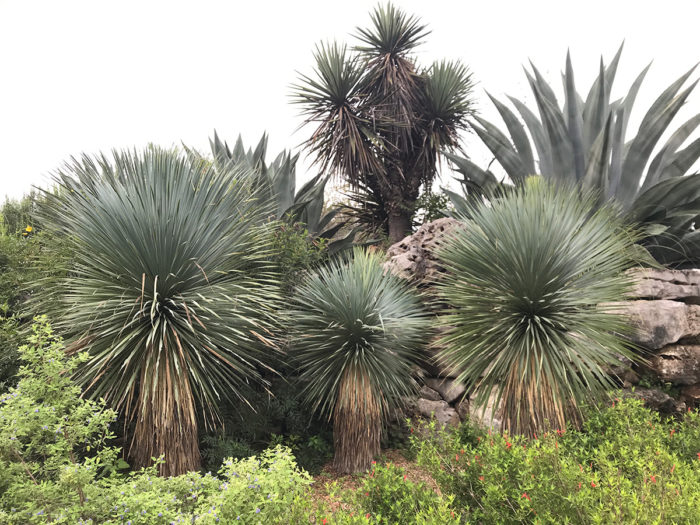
<point x="527" y="285"/>
<point x="584" y="142"/>
<point x="356" y="332"/>
<point x="170" y="291"/>
<point x="276" y="183"/>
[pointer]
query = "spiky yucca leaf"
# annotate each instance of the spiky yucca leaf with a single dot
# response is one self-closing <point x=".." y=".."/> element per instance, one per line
<point x="526" y="285"/>
<point x="356" y="331"/>
<point x="170" y="292"/>
<point x="344" y="138"/>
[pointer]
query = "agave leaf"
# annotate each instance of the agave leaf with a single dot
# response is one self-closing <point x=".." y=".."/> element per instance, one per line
<point x="663" y="101"/>
<point x="611" y="70"/>
<point x="596" y="177"/>
<point x="561" y="147"/>
<point x="632" y="96"/>
<point x="543" y="87"/>
<point x="617" y="148"/>
<point x="666" y="195"/>
<point x="643" y="144"/>
<point x="517" y="134"/>
<point x="574" y="120"/>
<point x="682" y="161"/>
<point x="663" y="158"/>
<point x="595" y="109"/>
<point x="473" y="174"/>
<point x="539" y="136"/>
<point x="502" y="149"/>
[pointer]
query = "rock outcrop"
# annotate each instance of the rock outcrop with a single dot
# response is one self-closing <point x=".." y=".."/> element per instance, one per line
<point x="415" y="258"/>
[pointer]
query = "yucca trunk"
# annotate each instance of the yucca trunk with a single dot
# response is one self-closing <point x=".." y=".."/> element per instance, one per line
<point x="399" y="226"/>
<point x="166" y="425"/>
<point x="530" y="407"/>
<point x="357" y="424"/>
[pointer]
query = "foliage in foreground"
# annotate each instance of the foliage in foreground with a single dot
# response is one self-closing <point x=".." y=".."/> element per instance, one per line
<point x="625" y="466"/>
<point x="56" y="465"/>
<point x="356" y="330"/>
<point x="171" y="291"/>
<point x="30" y="260"/>
<point x="525" y="285"/>
<point x="585" y="142"/>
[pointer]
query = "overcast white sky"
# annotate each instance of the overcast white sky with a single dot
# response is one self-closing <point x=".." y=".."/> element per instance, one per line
<point x="83" y="76"/>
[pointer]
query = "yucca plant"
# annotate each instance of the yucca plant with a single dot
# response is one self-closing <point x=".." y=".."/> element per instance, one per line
<point x="527" y="283"/>
<point x="380" y="119"/>
<point x="169" y="291"/>
<point x="584" y="142"/>
<point x="356" y="331"/>
<point x="276" y="183"/>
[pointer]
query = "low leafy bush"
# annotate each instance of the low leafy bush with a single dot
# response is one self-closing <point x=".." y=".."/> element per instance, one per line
<point x="389" y="497"/>
<point x="626" y="465"/>
<point x="56" y="465"/>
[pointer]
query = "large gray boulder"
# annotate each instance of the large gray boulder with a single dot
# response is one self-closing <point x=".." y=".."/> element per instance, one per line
<point x="414" y="257"/>
<point x="679" y="285"/>
<point x="663" y="322"/>
<point x="677" y="364"/>
<point x="449" y="389"/>
<point x="443" y="413"/>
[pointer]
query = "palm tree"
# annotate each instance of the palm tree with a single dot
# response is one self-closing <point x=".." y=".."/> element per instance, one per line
<point x="170" y="292"/>
<point x="527" y="282"/>
<point x="584" y="142"/>
<point x="356" y="331"/>
<point x="381" y="121"/>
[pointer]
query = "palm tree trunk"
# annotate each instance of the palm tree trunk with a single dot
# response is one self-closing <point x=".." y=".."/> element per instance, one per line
<point x="399" y="226"/>
<point x="356" y="425"/>
<point x="166" y="426"/>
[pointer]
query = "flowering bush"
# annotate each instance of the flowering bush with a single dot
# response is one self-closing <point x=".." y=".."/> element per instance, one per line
<point x="389" y="497"/>
<point x="625" y="466"/>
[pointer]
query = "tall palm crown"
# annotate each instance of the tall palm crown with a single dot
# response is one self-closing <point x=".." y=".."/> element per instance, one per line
<point x="584" y="142"/>
<point x="381" y="121"/>
<point x="169" y="291"/>
<point x="356" y="331"/>
<point x="527" y="285"/>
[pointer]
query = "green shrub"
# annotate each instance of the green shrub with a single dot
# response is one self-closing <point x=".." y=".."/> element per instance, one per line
<point x="389" y="497"/>
<point x="296" y="252"/>
<point x="625" y="466"/>
<point x="52" y="442"/>
<point x="56" y="465"/>
<point x="265" y="489"/>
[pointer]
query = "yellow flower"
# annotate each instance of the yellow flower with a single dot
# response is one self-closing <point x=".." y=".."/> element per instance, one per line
<point x="29" y="228"/>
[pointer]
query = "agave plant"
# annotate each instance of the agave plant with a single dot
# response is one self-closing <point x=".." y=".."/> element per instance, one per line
<point x="381" y="120"/>
<point x="170" y="292"/>
<point x="584" y="142"/>
<point x="526" y="286"/>
<point x="276" y="183"/>
<point x="356" y="333"/>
